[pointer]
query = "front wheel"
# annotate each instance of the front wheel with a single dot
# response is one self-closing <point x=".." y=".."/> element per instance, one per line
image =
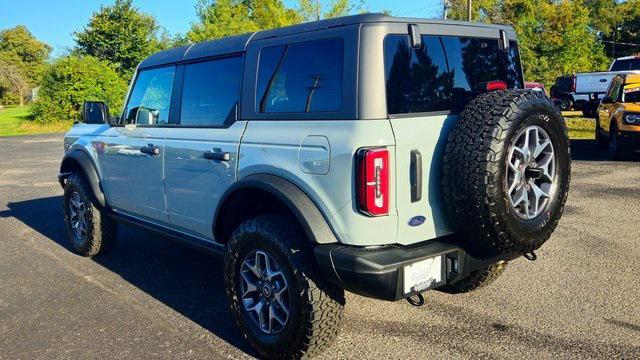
<point x="282" y="303"/>
<point x="90" y="230"/>
<point x="601" y="141"/>
<point x="615" y="151"/>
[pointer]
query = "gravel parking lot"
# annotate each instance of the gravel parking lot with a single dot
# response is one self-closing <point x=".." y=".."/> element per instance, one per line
<point x="150" y="297"/>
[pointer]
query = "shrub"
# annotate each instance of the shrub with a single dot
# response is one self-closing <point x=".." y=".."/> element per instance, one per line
<point x="70" y="81"/>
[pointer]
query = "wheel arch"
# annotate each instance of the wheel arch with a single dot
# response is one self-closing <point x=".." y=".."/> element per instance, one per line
<point x="263" y="193"/>
<point x="79" y="161"/>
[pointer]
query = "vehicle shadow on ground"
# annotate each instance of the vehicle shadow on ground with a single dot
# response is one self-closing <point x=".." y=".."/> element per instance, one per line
<point x="189" y="282"/>
<point x="587" y="150"/>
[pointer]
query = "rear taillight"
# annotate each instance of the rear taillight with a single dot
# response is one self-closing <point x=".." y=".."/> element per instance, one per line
<point x="496" y="85"/>
<point x="373" y="181"/>
<point x="573" y="84"/>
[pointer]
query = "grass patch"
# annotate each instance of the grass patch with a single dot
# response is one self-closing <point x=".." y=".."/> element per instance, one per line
<point x="14" y="120"/>
<point x="579" y="127"/>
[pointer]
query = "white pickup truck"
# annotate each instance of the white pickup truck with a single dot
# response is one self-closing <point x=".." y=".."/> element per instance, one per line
<point x="593" y="85"/>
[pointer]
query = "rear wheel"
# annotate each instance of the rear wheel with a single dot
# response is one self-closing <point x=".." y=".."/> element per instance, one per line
<point x="282" y="303"/>
<point x="90" y="230"/>
<point x="566" y="103"/>
<point x="506" y="172"/>
<point x="476" y="279"/>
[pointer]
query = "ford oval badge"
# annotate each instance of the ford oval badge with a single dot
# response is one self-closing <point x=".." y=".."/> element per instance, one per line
<point x="417" y="220"/>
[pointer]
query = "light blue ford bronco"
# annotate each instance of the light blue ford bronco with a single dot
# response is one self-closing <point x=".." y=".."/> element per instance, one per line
<point x="383" y="156"/>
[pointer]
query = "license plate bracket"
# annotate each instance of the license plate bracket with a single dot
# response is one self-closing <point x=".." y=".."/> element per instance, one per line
<point x="423" y="275"/>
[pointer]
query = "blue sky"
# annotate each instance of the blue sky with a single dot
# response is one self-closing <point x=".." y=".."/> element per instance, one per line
<point x="53" y="21"/>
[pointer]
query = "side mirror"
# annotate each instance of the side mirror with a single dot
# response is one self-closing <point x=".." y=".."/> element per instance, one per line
<point x="145" y="116"/>
<point x="95" y="112"/>
<point x="607" y="100"/>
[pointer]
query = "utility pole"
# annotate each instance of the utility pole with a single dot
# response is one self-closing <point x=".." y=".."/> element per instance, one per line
<point x="468" y="10"/>
<point x="445" y="12"/>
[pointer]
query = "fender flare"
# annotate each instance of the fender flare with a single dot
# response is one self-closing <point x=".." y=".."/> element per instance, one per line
<point x="314" y="223"/>
<point x="88" y="167"/>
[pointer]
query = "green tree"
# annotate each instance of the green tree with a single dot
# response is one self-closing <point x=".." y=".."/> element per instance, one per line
<point x="25" y="51"/>
<point x="624" y="37"/>
<point x="315" y="10"/>
<point x="555" y="37"/>
<point x="220" y="18"/>
<point x="70" y="81"/>
<point x="13" y="84"/>
<point x="122" y="35"/>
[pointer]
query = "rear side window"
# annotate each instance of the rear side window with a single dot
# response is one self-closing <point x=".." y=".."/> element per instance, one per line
<point x="150" y="97"/>
<point x="210" y="92"/>
<point x="445" y="73"/>
<point x="627" y="64"/>
<point x="301" y="78"/>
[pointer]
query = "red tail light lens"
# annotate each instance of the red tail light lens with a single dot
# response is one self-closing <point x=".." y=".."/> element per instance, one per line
<point x="573" y="84"/>
<point x="496" y="85"/>
<point x="373" y="181"/>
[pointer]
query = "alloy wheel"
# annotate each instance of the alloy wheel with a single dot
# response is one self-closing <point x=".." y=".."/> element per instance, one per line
<point x="530" y="181"/>
<point x="265" y="292"/>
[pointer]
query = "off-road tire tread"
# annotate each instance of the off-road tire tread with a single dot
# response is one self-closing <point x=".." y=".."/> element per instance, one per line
<point x="475" y="280"/>
<point x="472" y="163"/>
<point x="323" y="308"/>
<point x="102" y="231"/>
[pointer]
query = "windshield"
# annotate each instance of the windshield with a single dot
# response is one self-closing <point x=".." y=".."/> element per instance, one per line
<point x="446" y="72"/>
<point x="625" y="65"/>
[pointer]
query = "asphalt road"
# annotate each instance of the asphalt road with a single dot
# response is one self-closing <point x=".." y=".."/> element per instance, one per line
<point x="153" y="298"/>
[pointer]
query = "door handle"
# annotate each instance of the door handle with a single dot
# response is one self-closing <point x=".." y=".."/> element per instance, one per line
<point x="150" y="150"/>
<point x="219" y="156"/>
<point x="415" y="175"/>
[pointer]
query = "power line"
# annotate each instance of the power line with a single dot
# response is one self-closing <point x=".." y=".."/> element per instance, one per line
<point x="619" y="43"/>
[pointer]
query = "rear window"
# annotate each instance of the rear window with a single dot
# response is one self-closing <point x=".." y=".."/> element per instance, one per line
<point x="445" y="73"/>
<point x="627" y="64"/>
<point x="301" y="78"/>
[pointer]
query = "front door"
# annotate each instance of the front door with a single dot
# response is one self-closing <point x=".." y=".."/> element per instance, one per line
<point x="134" y="150"/>
<point x="201" y="153"/>
<point x="606" y="108"/>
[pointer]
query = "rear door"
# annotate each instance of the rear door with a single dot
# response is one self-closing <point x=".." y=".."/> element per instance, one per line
<point x="201" y="152"/>
<point x="134" y="151"/>
<point x="426" y="88"/>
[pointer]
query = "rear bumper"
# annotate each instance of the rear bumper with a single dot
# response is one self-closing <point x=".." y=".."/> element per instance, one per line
<point x="379" y="273"/>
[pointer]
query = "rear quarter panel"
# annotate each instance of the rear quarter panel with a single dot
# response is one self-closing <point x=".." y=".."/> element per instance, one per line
<point x="274" y="147"/>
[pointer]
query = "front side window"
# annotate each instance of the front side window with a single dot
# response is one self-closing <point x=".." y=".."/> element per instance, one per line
<point x="301" y="78"/>
<point x="150" y="97"/>
<point x="445" y="73"/>
<point x="210" y="92"/>
<point x="615" y="90"/>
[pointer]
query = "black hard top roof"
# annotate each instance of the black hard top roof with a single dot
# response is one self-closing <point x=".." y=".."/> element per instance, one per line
<point x="238" y="43"/>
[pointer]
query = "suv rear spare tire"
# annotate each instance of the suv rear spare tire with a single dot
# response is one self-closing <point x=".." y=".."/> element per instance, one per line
<point x="506" y="172"/>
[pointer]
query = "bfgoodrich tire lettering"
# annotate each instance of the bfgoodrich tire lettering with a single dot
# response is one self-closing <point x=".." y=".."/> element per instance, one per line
<point x="315" y="307"/>
<point x="475" y="167"/>
<point x="99" y="231"/>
